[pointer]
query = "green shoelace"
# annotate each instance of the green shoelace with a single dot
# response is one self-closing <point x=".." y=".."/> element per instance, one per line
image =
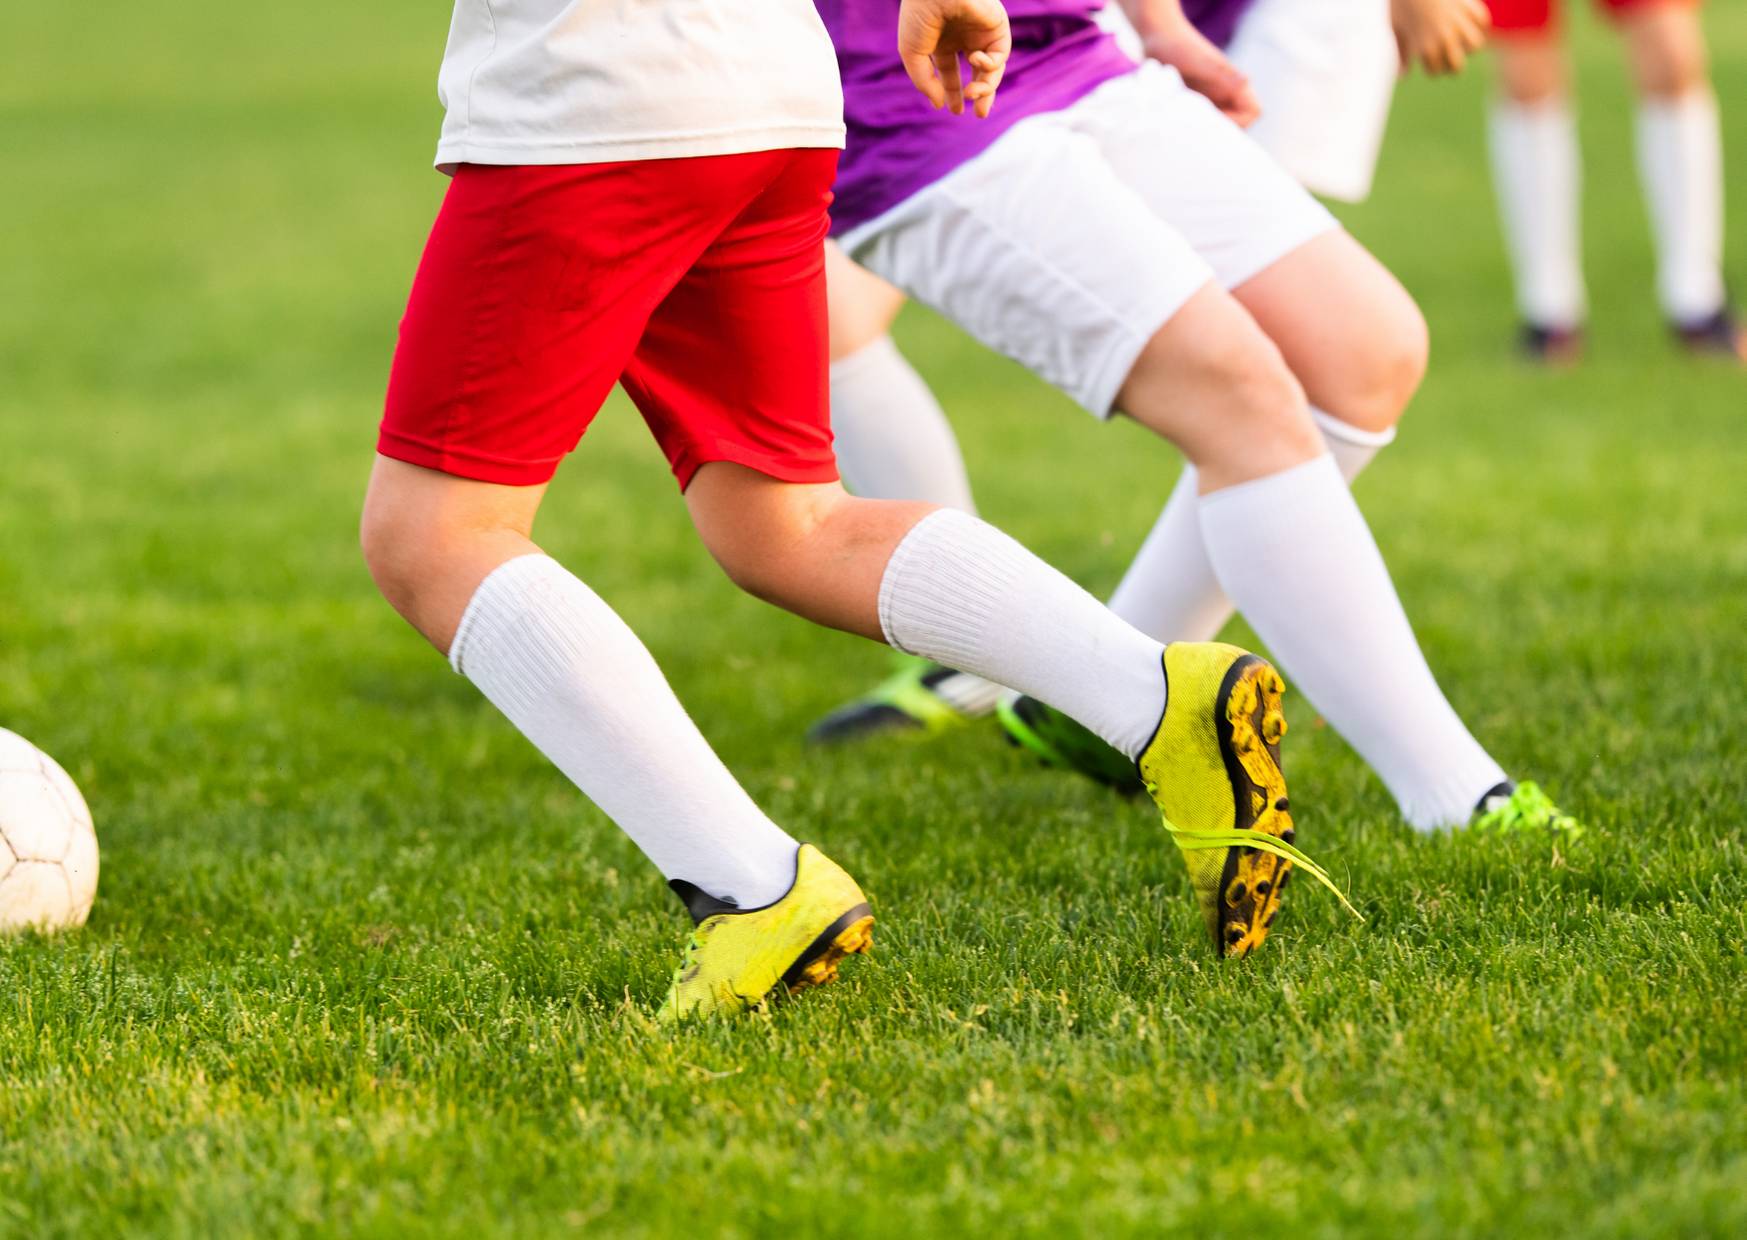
<point x="1197" y="840"/>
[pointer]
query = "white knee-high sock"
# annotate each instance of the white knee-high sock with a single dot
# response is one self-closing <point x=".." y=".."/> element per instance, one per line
<point x="893" y="439"/>
<point x="894" y="442"/>
<point x="1536" y="172"/>
<point x="1170" y="590"/>
<point x="964" y="594"/>
<point x="1296" y="555"/>
<point x="576" y="681"/>
<point x="1680" y="157"/>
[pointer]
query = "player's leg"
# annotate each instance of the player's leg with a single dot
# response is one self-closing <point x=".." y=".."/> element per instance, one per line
<point x="455" y="557"/>
<point x="511" y="341"/>
<point x="941" y="584"/>
<point x="751" y="449"/>
<point x="1356" y="342"/>
<point x="893" y="442"/>
<point x="893" y="439"/>
<point x="1325" y="72"/>
<point x="1137" y="323"/>
<point x="1680" y="158"/>
<point x="1291" y="548"/>
<point x="1536" y="174"/>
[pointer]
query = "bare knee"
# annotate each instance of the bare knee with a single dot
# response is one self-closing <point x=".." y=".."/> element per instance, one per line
<point x="1667" y="49"/>
<point x="759" y="529"/>
<point x="1352" y="335"/>
<point x="404" y="556"/>
<point x="759" y="547"/>
<point x="1531" y="69"/>
<point x="812" y="549"/>
<point x="429" y="540"/>
<point x="1384" y="370"/>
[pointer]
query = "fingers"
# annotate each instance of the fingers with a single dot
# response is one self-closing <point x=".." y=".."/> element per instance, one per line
<point x="933" y="36"/>
<point x="1246" y="106"/>
<point x="1238" y="98"/>
<point x="920" y="67"/>
<point x="989" y="67"/>
<point x="1440" y="35"/>
<point x="951" y="80"/>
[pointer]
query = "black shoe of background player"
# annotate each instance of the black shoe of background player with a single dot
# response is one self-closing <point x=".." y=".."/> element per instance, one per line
<point x="1551" y="346"/>
<point x="1720" y="335"/>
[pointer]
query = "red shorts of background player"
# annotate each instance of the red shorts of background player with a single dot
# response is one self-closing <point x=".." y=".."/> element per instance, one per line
<point x="699" y="283"/>
<point x="1537" y="15"/>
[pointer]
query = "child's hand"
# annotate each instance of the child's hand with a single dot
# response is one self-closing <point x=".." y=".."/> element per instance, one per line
<point x="933" y="34"/>
<point x="1439" y="34"/>
<point x="1205" y="69"/>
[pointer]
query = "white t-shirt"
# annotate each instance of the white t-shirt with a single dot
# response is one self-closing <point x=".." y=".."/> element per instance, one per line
<point x="591" y="81"/>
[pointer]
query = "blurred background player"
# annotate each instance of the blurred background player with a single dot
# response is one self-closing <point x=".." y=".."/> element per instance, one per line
<point x="1536" y="169"/>
<point x="1115" y="234"/>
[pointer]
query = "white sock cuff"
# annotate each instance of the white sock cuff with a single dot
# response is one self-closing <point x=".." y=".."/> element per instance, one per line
<point x="1556" y="110"/>
<point x="1333" y="428"/>
<point x="878" y="352"/>
<point x="950" y="623"/>
<point x="486" y="614"/>
<point x="1698" y="105"/>
<point x="1308" y="477"/>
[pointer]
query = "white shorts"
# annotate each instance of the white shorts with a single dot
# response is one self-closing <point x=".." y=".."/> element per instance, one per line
<point x="1325" y="73"/>
<point x="1075" y="237"/>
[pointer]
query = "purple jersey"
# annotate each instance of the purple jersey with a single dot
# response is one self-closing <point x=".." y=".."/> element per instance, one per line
<point x="1217" y="19"/>
<point x="897" y="145"/>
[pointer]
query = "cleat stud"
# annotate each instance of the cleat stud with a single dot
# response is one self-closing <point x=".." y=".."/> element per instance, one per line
<point x="1282" y="805"/>
<point x="1235" y="893"/>
<point x="1264" y="887"/>
<point x="1289" y="834"/>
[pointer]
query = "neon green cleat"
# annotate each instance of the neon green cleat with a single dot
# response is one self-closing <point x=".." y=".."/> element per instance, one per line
<point x="737" y="957"/>
<point x="1060" y="741"/>
<point x="1213" y="767"/>
<point x="1514" y="809"/>
<point x="905" y="701"/>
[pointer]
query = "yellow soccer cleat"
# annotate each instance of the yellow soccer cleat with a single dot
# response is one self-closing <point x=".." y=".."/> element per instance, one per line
<point x="1213" y="767"/>
<point x="737" y="957"/>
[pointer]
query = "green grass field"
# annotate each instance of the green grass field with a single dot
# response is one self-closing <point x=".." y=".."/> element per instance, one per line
<point x="363" y="963"/>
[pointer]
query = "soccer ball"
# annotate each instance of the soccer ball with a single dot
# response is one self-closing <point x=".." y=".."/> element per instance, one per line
<point x="48" y="847"/>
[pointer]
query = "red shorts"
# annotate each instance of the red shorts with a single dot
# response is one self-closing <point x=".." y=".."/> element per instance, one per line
<point x="698" y="283"/>
<point x="1535" y="15"/>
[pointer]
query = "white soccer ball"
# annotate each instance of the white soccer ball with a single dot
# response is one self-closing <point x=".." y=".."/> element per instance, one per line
<point x="48" y="847"/>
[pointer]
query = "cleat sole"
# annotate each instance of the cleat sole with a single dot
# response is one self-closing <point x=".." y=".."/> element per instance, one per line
<point x="1251" y="726"/>
<point x="850" y="935"/>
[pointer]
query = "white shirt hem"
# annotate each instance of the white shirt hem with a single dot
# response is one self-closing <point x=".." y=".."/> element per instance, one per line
<point x="451" y="152"/>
